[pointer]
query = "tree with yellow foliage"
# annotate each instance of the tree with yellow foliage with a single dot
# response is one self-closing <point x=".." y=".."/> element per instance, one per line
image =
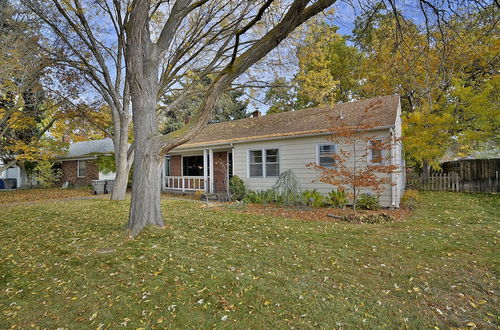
<point x="34" y="116"/>
<point x="447" y="76"/>
<point x="328" y="71"/>
<point x="25" y="112"/>
<point x="446" y="73"/>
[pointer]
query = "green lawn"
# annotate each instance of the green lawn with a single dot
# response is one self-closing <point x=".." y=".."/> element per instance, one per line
<point x="69" y="265"/>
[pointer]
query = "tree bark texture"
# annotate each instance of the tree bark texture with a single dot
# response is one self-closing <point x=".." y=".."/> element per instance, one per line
<point x="122" y="162"/>
<point x="145" y="208"/>
<point x="142" y="77"/>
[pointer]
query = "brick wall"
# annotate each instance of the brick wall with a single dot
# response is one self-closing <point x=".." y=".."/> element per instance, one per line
<point x="220" y="171"/>
<point x="175" y="165"/>
<point x="69" y="172"/>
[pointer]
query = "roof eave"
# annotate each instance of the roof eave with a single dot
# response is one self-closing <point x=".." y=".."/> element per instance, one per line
<point x="202" y="145"/>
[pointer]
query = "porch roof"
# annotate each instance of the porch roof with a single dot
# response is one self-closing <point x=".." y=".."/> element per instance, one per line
<point x="376" y="112"/>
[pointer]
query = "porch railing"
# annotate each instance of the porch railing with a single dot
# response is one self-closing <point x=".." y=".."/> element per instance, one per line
<point x="185" y="183"/>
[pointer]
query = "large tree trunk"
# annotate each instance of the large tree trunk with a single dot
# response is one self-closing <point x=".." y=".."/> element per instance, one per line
<point x="426" y="169"/>
<point x="145" y="207"/>
<point x="142" y="77"/>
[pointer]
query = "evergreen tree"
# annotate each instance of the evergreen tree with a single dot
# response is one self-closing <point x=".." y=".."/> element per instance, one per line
<point x="228" y="107"/>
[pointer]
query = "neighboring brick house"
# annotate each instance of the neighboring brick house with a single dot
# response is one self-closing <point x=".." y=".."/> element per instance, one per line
<point x="258" y="149"/>
<point x="79" y="165"/>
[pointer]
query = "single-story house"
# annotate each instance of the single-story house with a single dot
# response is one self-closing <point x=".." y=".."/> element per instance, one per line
<point x="79" y="166"/>
<point x="259" y="148"/>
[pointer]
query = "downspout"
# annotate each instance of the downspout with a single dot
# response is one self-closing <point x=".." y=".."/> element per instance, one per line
<point x="393" y="173"/>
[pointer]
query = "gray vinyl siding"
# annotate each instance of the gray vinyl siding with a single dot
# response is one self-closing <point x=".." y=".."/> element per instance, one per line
<point x="295" y="153"/>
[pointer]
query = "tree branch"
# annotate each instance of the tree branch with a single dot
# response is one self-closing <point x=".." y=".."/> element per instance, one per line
<point x="297" y="14"/>
<point x="247" y="27"/>
<point x="180" y="9"/>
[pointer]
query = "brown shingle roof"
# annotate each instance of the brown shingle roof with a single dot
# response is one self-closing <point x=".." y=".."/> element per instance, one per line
<point x="381" y="111"/>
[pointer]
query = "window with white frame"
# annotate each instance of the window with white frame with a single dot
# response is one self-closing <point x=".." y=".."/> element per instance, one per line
<point x="325" y="153"/>
<point x="376" y="152"/>
<point x="263" y="163"/>
<point x="272" y="162"/>
<point x="256" y="164"/>
<point x="81" y="168"/>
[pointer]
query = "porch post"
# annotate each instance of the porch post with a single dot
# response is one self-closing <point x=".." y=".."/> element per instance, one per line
<point x="205" y="170"/>
<point x="211" y="153"/>
<point x="232" y="167"/>
<point x="232" y="160"/>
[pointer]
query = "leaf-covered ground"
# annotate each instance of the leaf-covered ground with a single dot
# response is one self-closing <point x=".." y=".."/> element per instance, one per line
<point x="25" y="196"/>
<point x="68" y="265"/>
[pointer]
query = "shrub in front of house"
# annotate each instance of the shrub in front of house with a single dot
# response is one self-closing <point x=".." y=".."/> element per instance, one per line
<point x="270" y="197"/>
<point x="410" y="199"/>
<point x="337" y="198"/>
<point x="46" y="175"/>
<point x="313" y="198"/>
<point x="252" y="197"/>
<point x="368" y="202"/>
<point x="260" y="197"/>
<point x="287" y="189"/>
<point x="237" y="188"/>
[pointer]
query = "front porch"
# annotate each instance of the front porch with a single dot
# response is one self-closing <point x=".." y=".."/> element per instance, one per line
<point x="206" y="170"/>
<point x="186" y="183"/>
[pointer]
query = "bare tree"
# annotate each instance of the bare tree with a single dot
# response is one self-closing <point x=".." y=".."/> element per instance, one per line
<point x="90" y="38"/>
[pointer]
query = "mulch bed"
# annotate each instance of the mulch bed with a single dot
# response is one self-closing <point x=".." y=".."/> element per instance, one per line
<point x="315" y="214"/>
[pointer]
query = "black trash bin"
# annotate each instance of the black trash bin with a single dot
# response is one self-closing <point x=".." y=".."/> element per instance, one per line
<point x="10" y="183"/>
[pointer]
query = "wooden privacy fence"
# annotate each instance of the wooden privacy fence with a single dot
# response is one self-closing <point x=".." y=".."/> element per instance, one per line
<point x="476" y="175"/>
<point x="466" y="175"/>
<point x="435" y="181"/>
